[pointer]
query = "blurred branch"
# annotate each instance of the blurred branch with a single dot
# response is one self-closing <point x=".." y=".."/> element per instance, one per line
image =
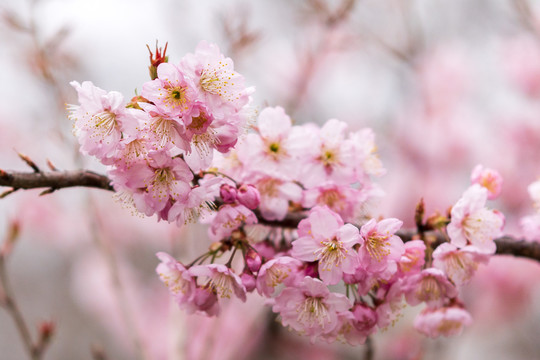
<point x="237" y="33"/>
<point x="312" y="60"/>
<point x="36" y="350"/>
<point x="526" y="16"/>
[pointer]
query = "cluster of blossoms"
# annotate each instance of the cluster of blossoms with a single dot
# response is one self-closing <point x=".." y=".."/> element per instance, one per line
<point x="155" y="143"/>
<point x="290" y="198"/>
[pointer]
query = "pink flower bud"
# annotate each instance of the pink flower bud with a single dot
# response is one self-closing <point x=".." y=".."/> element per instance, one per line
<point x="248" y="281"/>
<point x="253" y="260"/>
<point x="249" y="196"/>
<point x="228" y="193"/>
<point x="366" y="318"/>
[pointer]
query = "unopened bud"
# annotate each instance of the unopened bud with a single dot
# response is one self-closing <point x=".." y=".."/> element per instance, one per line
<point x="46" y="331"/>
<point x="134" y="102"/>
<point x="253" y="260"/>
<point x="248" y="281"/>
<point x="228" y="193"/>
<point x="249" y="196"/>
<point x="156" y="59"/>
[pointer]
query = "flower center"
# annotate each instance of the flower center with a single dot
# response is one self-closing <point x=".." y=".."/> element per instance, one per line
<point x="331" y="254"/>
<point x="377" y="246"/>
<point x="429" y="289"/>
<point x="312" y="311"/>
<point x="276" y="275"/>
<point x="333" y="199"/>
<point x="222" y="285"/>
<point x="176" y="97"/>
<point x="103" y="124"/>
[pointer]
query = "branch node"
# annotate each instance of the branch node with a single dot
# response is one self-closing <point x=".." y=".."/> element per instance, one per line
<point x="47" y="191"/>
<point x="29" y="162"/>
<point x="8" y="192"/>
<point x="51" y="165"/>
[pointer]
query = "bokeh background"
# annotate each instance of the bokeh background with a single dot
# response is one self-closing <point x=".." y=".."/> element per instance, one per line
<point x="445" y="85"/>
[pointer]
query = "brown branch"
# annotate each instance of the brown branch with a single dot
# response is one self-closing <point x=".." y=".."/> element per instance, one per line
<point x="506" y="245"/>
<point x="54" y="180"/>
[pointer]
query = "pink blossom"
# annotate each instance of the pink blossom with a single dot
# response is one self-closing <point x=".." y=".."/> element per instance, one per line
<point x="275" y="196"/>
<point x="458" y="264"/>
<point x="380" y="245"/>
<point x="217" y="83"/>
<point x="176" y="277"/>
<point x="220" y="279"/>
<point x="343" y="200"/>
<point x="329" y="156"/>
<point x="430" y="286"/>
<point x="270" y="148"/>
<point x="310" y="308"/>
<point x="156" y="182"/>
<point x="414" y="257"/>
<point x="281" y="270"/>
<point x="172" y="92"/>
<point x="472" y="222"/>
<point x="229" y="218"/>
<point x="330" y="242"/>
<point x="198" y="203"/>
<point x="100" y="119"/>
<point x="489" y="179"/>
<point x="446" y="321"/>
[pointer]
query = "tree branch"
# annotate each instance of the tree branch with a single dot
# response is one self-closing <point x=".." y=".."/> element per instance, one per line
<point x="53" y="180"/>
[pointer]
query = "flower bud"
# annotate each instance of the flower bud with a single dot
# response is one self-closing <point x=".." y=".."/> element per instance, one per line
<point x="248" y="281"/>
<point x="228" y="193"/>
<point x="253" y="260"/>
<point x="249" y="196"/>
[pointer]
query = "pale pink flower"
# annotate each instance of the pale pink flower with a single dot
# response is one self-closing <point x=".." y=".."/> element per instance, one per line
<point x="343" y="200"/>
<point x="220" y="279"/>
<point x="275" y="196"/>
<point x="270" y="148"/>
<point x="217" y="83"/>
<point x="229" y="218"/>
<point x="176" y="277"/>
<point x="329" y="156"/>
<point x="330" y="242"/>
<point x="198" y="202"/>
<point x="281" y="270"/>
<point x="430" y="286"/>
<point x="488" y="178"/>
<point x="345" y="331"/>
<point x="458" y="264"/>
<point x="172" y="92"/>
<point x="164" y="130"/>
<point x="473" y="223"/>
<point x="100" y="119"/>
<point x="446" y="321"/>
<point x="310" y="308"/>
<point x="414" y="257"/>
<point x="380" y="244"/>
<point x="364" y="153"/>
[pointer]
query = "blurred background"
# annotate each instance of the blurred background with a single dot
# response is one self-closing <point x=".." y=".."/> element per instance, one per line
<point x="445" y="85"/>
